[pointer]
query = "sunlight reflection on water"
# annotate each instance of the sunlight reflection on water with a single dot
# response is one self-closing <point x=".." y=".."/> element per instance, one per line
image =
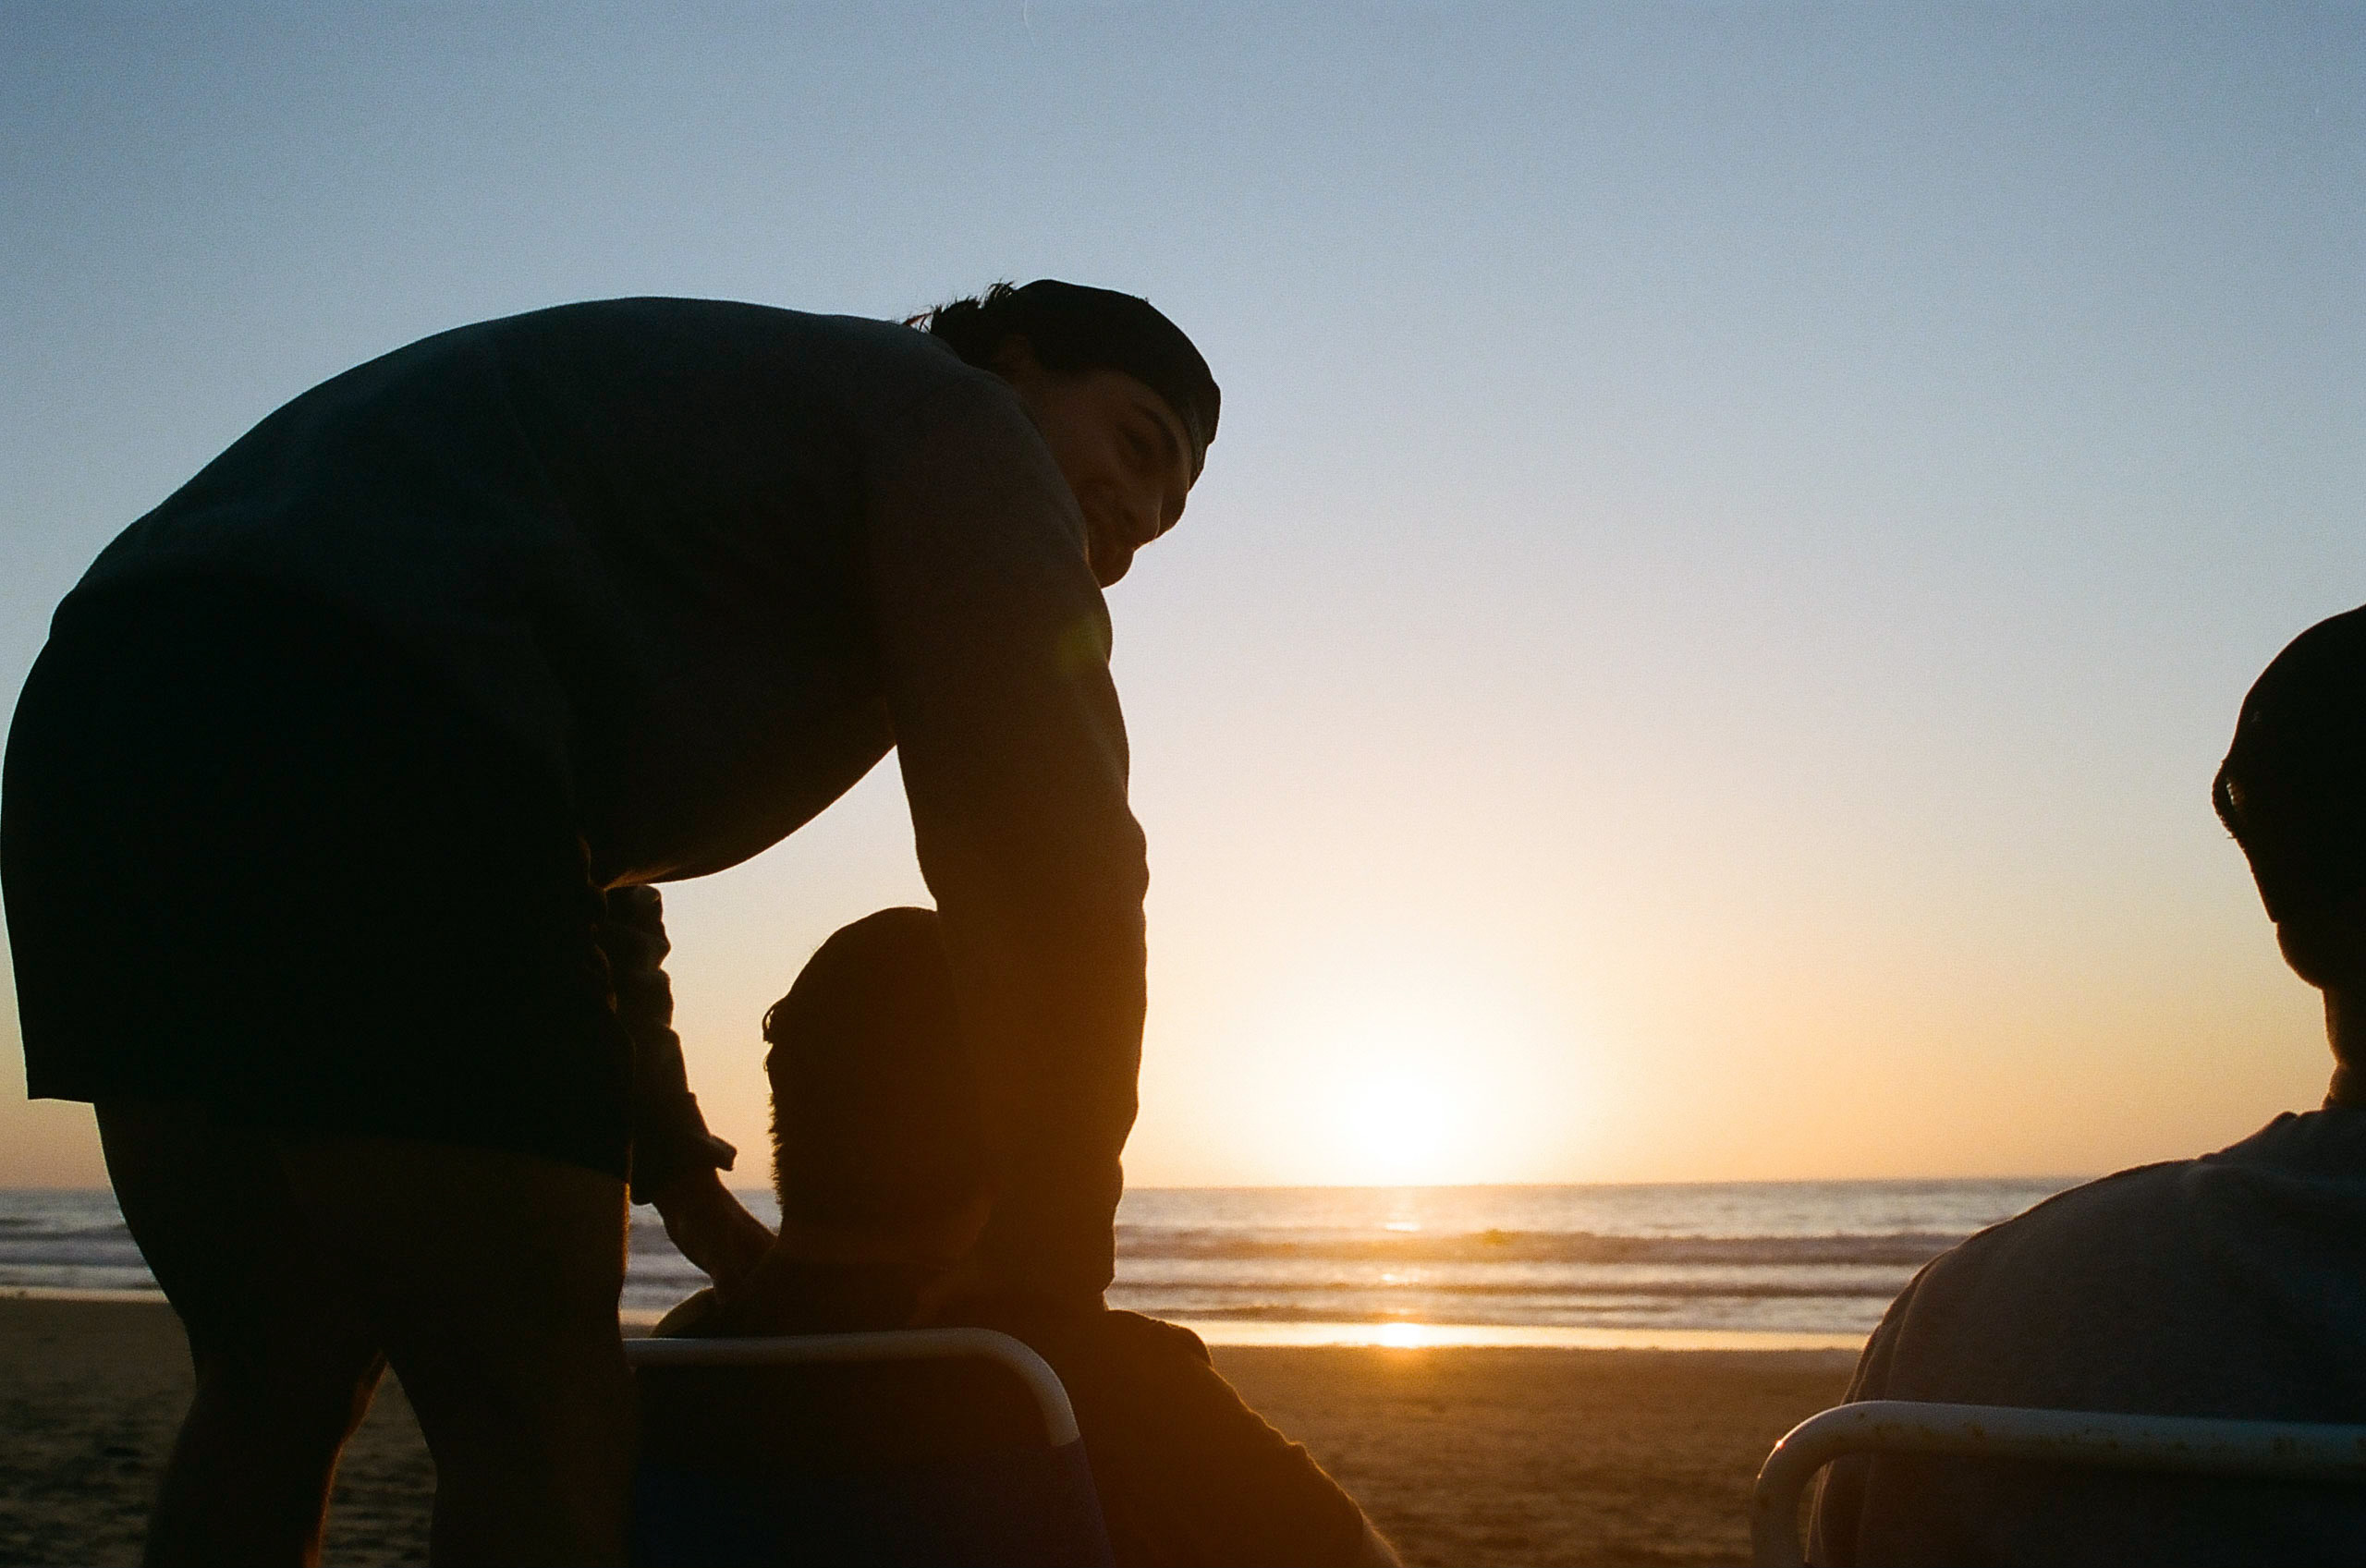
<point x="1439" y="1336"/>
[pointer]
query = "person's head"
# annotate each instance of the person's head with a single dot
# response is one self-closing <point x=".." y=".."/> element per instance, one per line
<point x="1123" y="399"/>
<point x="877" y="1130"/>
<point x="2292" y="791"/>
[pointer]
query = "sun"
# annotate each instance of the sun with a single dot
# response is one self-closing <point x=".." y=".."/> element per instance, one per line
<point x="1406" y="1072"/>
<point x="1400" y="1124"/>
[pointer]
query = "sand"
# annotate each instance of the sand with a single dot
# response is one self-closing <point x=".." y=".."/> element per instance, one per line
<point x="1463" y="1456"/>
<point x="1544" y="1457"/>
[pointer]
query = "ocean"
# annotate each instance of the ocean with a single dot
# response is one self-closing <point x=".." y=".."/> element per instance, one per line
<point x="1800" y="1265"/>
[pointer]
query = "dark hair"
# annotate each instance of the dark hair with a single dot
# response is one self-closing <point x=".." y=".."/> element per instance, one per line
<point x="2292" y="789"/>
<point x="1073" y="328"/>
<point x="876" y="1123"/>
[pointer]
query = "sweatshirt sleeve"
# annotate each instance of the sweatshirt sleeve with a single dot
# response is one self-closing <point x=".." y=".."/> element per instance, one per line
<point x="995" y="643"/>
<point x="669" y="1136"/>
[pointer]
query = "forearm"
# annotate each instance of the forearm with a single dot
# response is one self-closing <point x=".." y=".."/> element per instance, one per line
<point x="1040" y="899"/>
<point x="669" y="1136"/>
<point x="996" y="644"/>
<point x="1062" y="1030"/>
<point x="670" y="1140"/>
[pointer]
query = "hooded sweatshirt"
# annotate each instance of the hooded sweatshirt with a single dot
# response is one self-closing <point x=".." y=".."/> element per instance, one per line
<point x="705" y="563"/>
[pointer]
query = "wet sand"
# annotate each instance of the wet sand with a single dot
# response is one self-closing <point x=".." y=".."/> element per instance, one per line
<point x="1463" y="1456"/>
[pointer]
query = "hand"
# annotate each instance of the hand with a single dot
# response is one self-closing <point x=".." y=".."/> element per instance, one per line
<point x="787" y="1294"/>
<point x="829" y="1278"/>
<point x="713" y="1228"/>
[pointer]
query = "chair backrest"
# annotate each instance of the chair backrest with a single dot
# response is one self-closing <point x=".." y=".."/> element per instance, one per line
<point x="2168" y="1444"/>
<point x="929" y="1446"/>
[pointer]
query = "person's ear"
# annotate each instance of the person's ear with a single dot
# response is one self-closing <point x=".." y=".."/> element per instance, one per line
<point x="1014" y="360"/>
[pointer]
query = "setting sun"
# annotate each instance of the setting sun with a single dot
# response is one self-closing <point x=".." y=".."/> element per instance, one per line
<point x="1402" y="1125"/>
<point x="1397" y="1065"/>
<point x="1389" y="1058"/>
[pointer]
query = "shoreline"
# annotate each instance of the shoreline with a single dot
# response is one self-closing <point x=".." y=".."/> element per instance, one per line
<point x="1402" y="1336"/>
<point x="1506" y="1454"/>
<point x="1268" y="1334"/>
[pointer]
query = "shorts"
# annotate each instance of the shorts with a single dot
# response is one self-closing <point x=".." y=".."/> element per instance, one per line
<point x="256" y="860"/>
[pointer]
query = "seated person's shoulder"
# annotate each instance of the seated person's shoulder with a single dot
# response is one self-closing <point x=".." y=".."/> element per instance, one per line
<point x="1100" y="1333"/>
<point x="2233" y="1285"/>
<point x="2104" y="1296"/>
<point x="2067" y="1234"/>
<point x="1156" y="1337"/>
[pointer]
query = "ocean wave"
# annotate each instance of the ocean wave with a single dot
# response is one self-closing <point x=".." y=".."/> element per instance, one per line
<point x="1742" y="1257"/>
<point x="1895" y="1248"/>
<point x="1628" y="1314"/>
<point x="1676" y="1289"/>
<point x="71" y="1257"/>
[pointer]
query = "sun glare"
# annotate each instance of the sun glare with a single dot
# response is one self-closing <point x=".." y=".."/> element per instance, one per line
<point x="1403" y="1069"/>
<point x="1401" y="1108"/>
<point x="1400" y="1124"/>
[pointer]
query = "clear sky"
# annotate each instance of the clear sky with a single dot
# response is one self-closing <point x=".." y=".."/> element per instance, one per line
<point x="1738" y="535"/>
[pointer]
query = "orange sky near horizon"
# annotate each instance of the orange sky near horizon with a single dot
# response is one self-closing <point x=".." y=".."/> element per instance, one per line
<point x="1738" y="534"/>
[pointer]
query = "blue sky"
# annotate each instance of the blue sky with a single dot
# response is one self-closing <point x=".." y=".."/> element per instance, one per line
<point x="1737" y="537"/>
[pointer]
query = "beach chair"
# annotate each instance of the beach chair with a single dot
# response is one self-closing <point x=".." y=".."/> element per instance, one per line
<point x="2283" y="1451"/>
<point x="924" y="1447"/>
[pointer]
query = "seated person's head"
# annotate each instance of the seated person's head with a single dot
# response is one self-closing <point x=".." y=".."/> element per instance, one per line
<point x="878" y="1148"/>
<point x="2293" y="792"/>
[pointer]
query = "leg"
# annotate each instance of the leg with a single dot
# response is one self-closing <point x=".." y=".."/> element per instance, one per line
<point x="250" y="860"/>
<point x="1188" y="1473"/>
<point x="284" y="1364"/>
<point x="493" y="1280"/>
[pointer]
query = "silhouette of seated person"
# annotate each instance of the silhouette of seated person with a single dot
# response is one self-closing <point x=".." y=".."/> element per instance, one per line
<point x="2233" y="1285"/>
<point x="881" y="1167"/>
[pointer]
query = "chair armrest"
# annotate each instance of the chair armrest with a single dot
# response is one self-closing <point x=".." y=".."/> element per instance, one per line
<point x="2289" y="1451"/>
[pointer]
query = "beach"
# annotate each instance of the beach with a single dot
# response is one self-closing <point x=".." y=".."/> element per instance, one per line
<point x="1478" y="1455"/>
<point x="1463" y="1456"/>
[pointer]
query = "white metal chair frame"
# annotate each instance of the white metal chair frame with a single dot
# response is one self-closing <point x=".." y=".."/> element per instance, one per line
<point x="903" y="1344"/>
<point x="2284" y="1451"/>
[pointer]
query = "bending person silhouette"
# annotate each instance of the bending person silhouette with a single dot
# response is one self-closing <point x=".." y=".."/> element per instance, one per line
<point x="885" y="1184"/>
<point x="2232" y="1286"/>
<point x="332" y="805"/>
